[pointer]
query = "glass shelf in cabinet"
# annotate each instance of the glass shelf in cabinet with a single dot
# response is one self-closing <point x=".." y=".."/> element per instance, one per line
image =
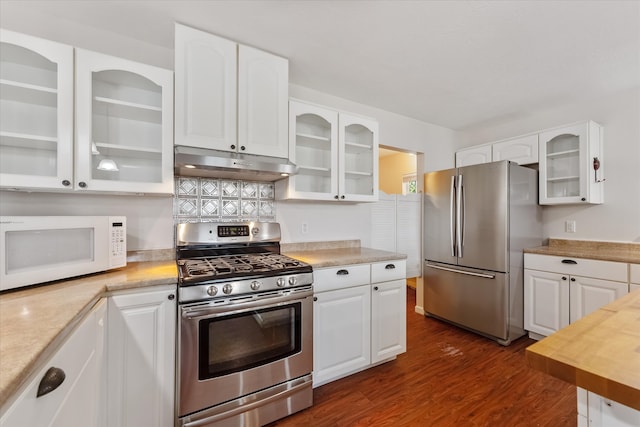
<point x="27" y="141"/>
<point x="28" y="93"/>
<point x="126" y="110"/>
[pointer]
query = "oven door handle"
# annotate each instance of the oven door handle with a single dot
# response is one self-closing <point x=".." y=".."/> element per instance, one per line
<point x="210" y="416"/>
<point x="208" y="311"/>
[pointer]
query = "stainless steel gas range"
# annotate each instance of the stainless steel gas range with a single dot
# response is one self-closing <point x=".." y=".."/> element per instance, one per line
<point x="244" y="326"/>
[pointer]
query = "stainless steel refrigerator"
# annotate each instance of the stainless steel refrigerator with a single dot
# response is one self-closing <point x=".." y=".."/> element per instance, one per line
<point x="477" y="221"/>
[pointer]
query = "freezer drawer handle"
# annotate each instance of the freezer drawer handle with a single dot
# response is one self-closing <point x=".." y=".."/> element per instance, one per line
<point x="342" y="272"/>
<point x="569" y="261"/>
<point x="389" y="267"/>
<point x="469" y="273"/>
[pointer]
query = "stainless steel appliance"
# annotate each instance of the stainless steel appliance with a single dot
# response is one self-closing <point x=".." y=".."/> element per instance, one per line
<point x="245" y="326"/>
<point x="38" y="249"/>
<point x="477" y="220"/>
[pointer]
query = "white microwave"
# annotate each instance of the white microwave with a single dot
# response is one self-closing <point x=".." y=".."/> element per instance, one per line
<point x="38" y="249"/>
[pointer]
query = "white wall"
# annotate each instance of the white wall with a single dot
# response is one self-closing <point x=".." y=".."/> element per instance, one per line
<point x="618" y="219"/>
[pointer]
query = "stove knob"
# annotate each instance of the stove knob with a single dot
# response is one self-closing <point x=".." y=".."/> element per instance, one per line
<point x="212" y="291"/>
<point x="293" y="281"/>
<point x="255" y="285"/>
<point x="281" y="281"/>
<point x="227" y="289"/>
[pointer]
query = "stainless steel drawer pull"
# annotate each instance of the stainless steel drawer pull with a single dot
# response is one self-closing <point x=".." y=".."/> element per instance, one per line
<point x="51" y="381"/>
<point x="569" y="261"/>
<point x="389" y="267"/>
<point x="342" y="272"/>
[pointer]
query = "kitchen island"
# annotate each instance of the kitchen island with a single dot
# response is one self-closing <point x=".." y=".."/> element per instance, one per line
<point x="599" y="353"/>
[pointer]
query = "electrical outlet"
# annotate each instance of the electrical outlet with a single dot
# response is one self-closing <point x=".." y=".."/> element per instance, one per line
<point x="570" y="226"/>
<point x="305" y="228"/>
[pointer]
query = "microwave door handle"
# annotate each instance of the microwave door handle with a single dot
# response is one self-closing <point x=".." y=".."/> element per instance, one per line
<point x="452" y="217"/>
<point x="460" y="216"/>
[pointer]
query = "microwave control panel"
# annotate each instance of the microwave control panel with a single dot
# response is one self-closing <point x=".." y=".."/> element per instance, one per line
<point x="117" y="241"/>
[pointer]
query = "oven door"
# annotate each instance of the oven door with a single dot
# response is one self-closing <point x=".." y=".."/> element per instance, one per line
<point x="242" y="345"/>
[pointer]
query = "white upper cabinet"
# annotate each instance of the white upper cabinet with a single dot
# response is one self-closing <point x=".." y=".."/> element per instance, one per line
<point x="123" y="120"/>
<point x="36" y="112"/>
<point x="263" y="94"/>
<point x="522" y="150"/>
<point x="473" y="156"/>
<point x="124" y="125"/>
<point x="229" y="97"/>
<point x="206" y="81"/>
<point x="571" y="165"/>
<point x="336" y="153"/>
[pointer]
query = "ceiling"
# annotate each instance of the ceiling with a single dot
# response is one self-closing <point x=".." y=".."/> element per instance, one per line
<point x="458" y="64"/>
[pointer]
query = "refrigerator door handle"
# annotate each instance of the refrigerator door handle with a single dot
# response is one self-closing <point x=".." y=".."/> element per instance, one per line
<point x="469" y="273"/>
<point x="452" y="216"/>
<point x="459" y="216"/>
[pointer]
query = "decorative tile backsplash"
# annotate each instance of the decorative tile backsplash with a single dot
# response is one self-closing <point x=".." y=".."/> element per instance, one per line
<point x="208" y="200"/>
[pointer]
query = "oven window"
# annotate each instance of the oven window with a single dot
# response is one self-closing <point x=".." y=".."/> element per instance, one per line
<point x="245" y="340"/>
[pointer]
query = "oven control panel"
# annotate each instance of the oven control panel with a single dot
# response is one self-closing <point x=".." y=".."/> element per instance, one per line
<point x="233" y="230"/>
<point x="190" y="234"/>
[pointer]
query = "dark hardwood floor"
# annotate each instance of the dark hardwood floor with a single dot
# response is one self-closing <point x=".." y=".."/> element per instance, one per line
<point x="448" y="377"/>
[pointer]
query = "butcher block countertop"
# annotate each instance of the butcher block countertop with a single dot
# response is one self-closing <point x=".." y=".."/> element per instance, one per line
<point x="332" y="254"/>
<point x="600" y="352"/>
<point x="588" y="249"/>
<point x="34" y="321"/>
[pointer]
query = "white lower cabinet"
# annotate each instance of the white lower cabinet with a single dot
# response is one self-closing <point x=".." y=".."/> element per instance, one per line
<point x="341" y="337"/>
<point x="73" y="379"/>
<point x="357" y="323"/>
<point x="141" y="358"/>
<point x="559" y="291"/>
<point x="597" y="411"/>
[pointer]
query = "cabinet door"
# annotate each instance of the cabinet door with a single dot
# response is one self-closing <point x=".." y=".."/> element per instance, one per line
<point x="341" y="333"/>
<point x="523" y="150"/>
<point x="263" y="94"/>
<point x="357" y="159"/>
<point x="388" y="319"/>
<point x="124" y="125"/>
<point x="313" y="132"/>
<point x="566" y="168"/>
<point x="473" y="156"/>
<point x="36" y="113"/>
<point x="75" y="401"/>
<point x="587" y="295"/>
<point x="546" y="301"/>
<point x="608" y="413"/>
<point x="141" y="358"/>
<point x="205" y="97"/>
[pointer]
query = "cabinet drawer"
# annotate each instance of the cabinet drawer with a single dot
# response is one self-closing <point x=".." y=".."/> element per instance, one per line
<point x="327" y="279"/>
<point x="388" y="270"/>
<point x="634" y="273"/>
<point x="607" y="270"/>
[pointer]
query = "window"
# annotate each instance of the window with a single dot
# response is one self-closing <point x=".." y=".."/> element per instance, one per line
<point x="409" y="184"/>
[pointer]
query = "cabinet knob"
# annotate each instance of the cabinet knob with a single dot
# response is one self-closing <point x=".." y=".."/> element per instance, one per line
<point x="335" y="197"/>
<point x="564" y="278"/>
<point x="342" y="197"/>
<point x="171" y="297"/>
<point x="342" y="272"/>
<point x="389" y="267"/>
<point x="50" y="381"/>
<point x="569" y="261"/>
<point x="573" y="279"/>
<point x="82" y="184"/>
<point x="315" y="298"/>
<point x="66" y="182"/>
<point x="233" y="147"/>
<point x="242" y="148"/>
<point x="583" y="199"/>
<point x="375" y="288"/>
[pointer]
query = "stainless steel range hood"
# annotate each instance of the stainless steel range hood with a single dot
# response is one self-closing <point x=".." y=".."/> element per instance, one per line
<point x="201" y="162"/>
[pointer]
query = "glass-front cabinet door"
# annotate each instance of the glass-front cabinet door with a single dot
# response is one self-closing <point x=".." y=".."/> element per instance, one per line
<point x="571" y="169"/>
<point x="124" y="125"/>
<point x="36" y="113"/>
<point x="313" y="136"/>
<point x="358" y="138"/>
<point x="336" y="155"/>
